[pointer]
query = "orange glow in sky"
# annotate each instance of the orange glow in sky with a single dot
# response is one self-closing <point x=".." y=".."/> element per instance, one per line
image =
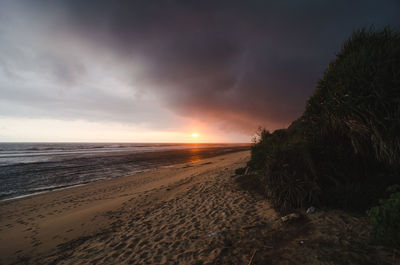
<point x="51" y="130"/>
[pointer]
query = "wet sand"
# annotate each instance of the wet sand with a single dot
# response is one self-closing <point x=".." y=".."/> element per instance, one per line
<point x="189" y="213"/>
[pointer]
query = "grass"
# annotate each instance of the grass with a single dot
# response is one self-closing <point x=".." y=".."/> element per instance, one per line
<point x="344" y="151"/>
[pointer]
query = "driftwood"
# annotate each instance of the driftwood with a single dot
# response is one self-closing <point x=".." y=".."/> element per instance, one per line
<point x="254" y="253"/>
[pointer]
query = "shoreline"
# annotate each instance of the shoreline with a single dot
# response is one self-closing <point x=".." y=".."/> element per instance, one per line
<point x="60" y="172"/>
<point x="45" y="191"/>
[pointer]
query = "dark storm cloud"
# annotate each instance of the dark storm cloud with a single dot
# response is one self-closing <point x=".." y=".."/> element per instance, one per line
<point x="240" y="63"/>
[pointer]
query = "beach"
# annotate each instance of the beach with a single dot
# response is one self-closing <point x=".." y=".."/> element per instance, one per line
<point x="197" y="212"/>
<point x="181" y="214"/>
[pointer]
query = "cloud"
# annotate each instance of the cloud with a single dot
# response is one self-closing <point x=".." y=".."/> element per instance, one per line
<point x="233" y="64"/>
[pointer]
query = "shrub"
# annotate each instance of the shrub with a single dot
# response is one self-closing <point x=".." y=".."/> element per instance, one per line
<point x="290" y="176"/>
<point x="344" y="151"/>
<point x="358" y="97"/>
<point x="259" y="149"/>
<point x="386" y="218"/>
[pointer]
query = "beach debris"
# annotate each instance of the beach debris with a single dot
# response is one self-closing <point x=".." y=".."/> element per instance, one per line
<point x="290" y="217"/>
<point x="252" y="257"/>
<point x="212" y="234"/>
<point x="310" y="210"/>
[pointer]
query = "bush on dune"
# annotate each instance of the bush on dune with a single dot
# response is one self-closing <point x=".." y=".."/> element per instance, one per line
<point x="359" y="96"/>
<point x="344" y="151"/>
<point x="386" y="218"/>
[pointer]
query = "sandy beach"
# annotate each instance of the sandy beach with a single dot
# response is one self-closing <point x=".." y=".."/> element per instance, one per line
<point x="175" y="215"/>
<point x="191" y="213"/>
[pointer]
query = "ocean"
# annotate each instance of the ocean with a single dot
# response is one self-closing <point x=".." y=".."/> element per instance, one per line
<point x="32" y="168"/>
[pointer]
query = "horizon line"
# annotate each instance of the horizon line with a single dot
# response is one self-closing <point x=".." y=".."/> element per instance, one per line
<point x="100" y="142"/>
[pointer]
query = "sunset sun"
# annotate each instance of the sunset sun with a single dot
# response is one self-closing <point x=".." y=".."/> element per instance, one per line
<point x="195" y="135"/>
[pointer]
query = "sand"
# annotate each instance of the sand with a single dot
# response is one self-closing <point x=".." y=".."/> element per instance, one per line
<point x="193" y="213"/>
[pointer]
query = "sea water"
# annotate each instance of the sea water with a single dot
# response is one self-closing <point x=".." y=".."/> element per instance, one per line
<point x="31" y="168"/>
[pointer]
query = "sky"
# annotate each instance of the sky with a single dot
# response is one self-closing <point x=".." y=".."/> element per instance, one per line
<point x="159" y="71"/>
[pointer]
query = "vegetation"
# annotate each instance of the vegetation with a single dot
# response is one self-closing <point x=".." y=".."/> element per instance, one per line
<point x="386" y="218"/>
<point x="344" y="151"/>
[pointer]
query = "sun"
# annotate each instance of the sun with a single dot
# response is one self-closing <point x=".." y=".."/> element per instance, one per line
<point x="195" y="135"/>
